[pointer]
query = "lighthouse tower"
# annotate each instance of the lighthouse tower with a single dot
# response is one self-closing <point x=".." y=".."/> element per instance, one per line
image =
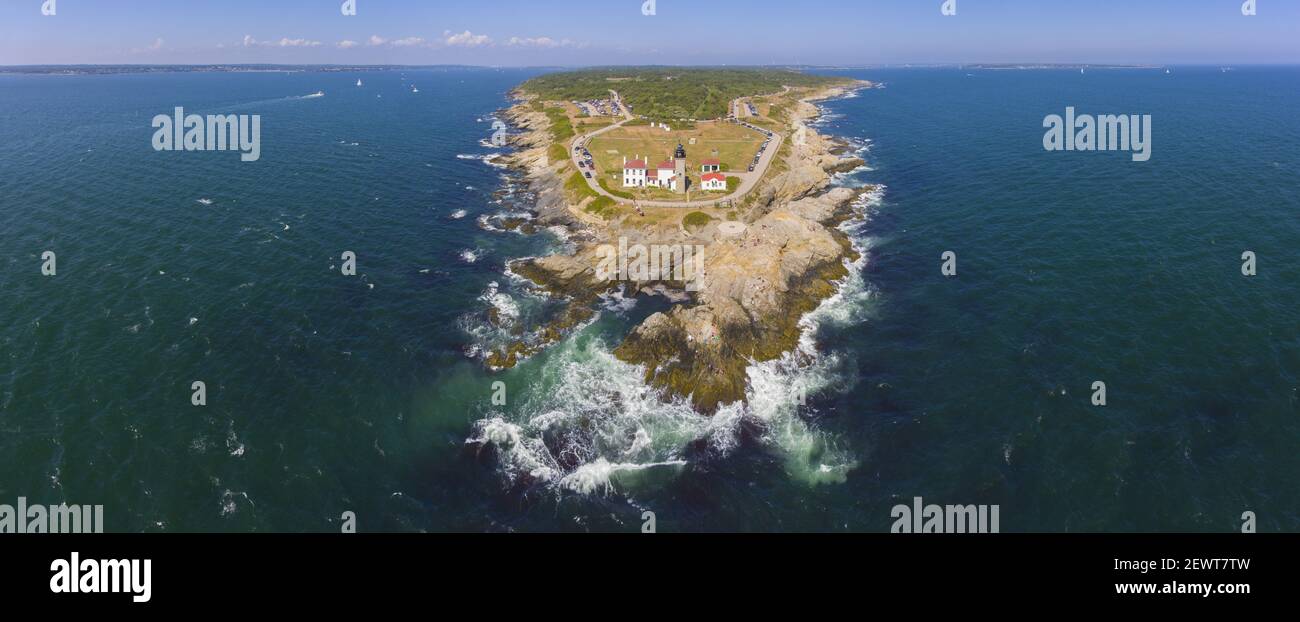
<point x="679" y="169"/>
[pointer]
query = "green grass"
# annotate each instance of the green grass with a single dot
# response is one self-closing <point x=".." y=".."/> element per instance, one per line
<point x="577" y="188"/>
<point x="604" y="184"/>
<point x="557" y="152"/>
<point x="733" y="184"/>
<point x="735" y="146"/>
<point x="604" y="207"/>
<point x="561" y="127"/>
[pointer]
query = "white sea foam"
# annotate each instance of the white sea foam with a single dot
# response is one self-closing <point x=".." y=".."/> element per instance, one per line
<point x="458" y="214"/>
<point x="591" y="424"/>
<point x="587" y="417"/>
<point x="597" y="476"/>
<point x="471" y="255"/>
<point x="617" y="302"/>
<point x="507" y="309"/>
<point x="477" y="156"/>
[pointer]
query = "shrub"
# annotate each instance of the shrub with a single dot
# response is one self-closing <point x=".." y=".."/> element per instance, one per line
<point x="696" y="219"/>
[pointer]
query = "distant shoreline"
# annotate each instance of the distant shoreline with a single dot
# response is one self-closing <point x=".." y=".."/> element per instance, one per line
<point x="91" y="70"/>
<point x="82" y="69"/>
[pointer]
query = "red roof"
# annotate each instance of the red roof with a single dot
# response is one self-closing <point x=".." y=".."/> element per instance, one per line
<point x="652" y="173"/>
<point x="712" y="176"/>
<point x="711" y="162"/>
<point x="635" y="164"/>
<point x="667" y="165"/>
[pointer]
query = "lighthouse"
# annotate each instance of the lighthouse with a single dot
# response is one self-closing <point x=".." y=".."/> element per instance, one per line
<point x="679" y="169"/>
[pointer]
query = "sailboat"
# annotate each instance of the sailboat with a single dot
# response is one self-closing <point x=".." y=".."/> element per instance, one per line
<point x="414" y="90"/>
<point x="358" y="81"/>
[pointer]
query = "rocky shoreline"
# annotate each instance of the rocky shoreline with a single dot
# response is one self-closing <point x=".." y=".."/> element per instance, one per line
<point x="787" y="257"/>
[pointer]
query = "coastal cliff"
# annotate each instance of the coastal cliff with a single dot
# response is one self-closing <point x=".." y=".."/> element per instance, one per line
<point x="779" y="257"/>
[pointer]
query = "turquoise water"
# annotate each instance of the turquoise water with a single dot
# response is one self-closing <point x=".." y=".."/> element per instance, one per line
<point x="329" y="393"/>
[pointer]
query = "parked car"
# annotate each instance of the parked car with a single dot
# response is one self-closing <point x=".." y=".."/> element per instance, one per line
<point x="588" y="175"/>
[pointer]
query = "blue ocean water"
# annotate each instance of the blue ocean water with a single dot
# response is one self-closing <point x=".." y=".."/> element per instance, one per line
<point x="329" y="393"/>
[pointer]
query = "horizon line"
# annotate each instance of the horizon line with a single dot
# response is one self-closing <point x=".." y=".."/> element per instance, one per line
<point x="682" y="66"/>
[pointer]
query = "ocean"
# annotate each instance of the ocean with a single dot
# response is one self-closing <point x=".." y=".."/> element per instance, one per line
<point x="328" y="393"/>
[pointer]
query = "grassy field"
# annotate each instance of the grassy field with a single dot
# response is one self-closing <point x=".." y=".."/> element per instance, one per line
<point x="734" y="145"/>
<point x="584" y="125"/>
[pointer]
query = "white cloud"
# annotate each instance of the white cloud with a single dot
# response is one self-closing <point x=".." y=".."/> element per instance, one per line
<point x="543" y="42"/>
<point x="297" y="43"/>
<point x="409" y="42"/>
<point x="465" y="39"/>
<point x="284" y="42"/>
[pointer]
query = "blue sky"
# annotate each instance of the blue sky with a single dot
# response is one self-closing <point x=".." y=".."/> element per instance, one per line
<point x="602" y="32"/>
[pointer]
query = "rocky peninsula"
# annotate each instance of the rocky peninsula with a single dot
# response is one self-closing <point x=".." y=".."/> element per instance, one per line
<point x="770" y="256"/>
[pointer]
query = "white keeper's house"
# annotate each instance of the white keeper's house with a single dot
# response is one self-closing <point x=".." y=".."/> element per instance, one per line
<point x="713" y="181"/>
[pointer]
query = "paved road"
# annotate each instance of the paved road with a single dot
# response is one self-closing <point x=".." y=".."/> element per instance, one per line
<point x="747" y="180"/>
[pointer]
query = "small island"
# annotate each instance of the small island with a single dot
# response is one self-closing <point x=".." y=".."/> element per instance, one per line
<point x="721" y="161"/>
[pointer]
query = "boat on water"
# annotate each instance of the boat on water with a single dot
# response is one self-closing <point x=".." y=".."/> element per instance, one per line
<point x="358" y="81"/>
<point x="414" y="90"/>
